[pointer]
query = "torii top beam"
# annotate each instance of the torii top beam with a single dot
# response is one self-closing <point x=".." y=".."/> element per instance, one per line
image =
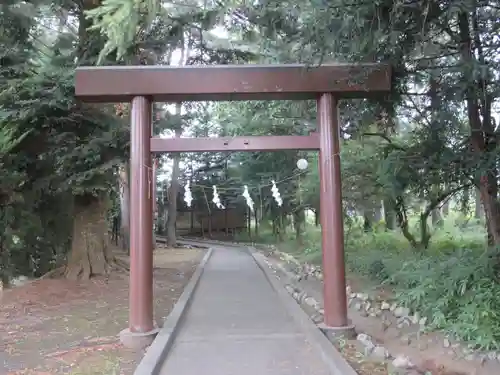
<point x="110" y="84"/>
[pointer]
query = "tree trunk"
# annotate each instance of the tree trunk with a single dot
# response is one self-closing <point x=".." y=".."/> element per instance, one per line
<point x="173" y="193"/>
<point x="256" y="218"/>
<point x="389" y="214"/>
<point x="298" y="224"/>
<point x="482" y="133"/>
<point x="124" y="207"/>
<point x="91" y="253"/>
<point x="172" y="203"/>
<point x="378" y="213"/>
<point x="367" y="222"/>
<point x="446" y="209"/>
<point x="425" y="236"/>
<point x="174" y="186"/>
<point x="478" y="211"/>
<point x="436" y="218"/>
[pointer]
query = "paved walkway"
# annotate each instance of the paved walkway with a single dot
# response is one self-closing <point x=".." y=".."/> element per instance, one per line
<point x="237" y="325"/>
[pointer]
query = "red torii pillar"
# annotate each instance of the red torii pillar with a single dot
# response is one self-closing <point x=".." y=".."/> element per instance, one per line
<point x="332" y="220"/>
<point x="142" y="328"/>
<point x="143" y="84"/>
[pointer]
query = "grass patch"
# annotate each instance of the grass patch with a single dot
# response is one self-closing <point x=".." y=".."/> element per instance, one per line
<point x="454" y="283"/>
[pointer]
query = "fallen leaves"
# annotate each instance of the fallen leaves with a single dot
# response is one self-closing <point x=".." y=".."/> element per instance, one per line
<point x="56" y="326"/>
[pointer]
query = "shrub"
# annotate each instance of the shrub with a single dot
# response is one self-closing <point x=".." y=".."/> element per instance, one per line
<point x="453" y="283"/>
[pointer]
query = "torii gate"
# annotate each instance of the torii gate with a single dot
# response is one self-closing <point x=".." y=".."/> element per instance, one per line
<point x="144" y="84"/>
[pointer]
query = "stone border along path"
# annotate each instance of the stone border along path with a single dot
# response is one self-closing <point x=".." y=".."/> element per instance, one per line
<point x="156" y="353"/>
<point x="241" y="321"/>
<point x="362" y="302"/>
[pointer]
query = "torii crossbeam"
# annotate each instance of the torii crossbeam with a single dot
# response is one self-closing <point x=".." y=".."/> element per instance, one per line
<point x="144" y="84"/>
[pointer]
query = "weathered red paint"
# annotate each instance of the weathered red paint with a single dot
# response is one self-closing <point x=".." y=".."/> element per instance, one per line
<point x="153" y="183"/>
<point x="262" y="143"/>
<point x="230" y="82"/>
<point x="141" y="219"/>
<point x="332" y="226"/>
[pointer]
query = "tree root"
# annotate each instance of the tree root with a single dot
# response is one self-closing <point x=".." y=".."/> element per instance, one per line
<point x="120" y="265"/>
<point x="54" y="274"/>
<point x="77" y="271"/>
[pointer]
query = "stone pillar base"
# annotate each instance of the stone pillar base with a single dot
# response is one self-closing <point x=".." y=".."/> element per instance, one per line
<point x="334" y="333"/>
<point x="137" y="340"/>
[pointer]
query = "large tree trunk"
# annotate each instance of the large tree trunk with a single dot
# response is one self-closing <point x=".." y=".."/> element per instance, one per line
<point x="91" y="253"/>
<point x="480" y="121"/>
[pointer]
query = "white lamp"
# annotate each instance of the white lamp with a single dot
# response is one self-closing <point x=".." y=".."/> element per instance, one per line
<point x="302" y="164"/>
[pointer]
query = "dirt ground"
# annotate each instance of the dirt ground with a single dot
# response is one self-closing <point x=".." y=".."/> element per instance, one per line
<point x="52" y="327"/>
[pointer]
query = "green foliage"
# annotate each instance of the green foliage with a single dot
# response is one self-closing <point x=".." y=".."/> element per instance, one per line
<point x="120" y="22"/>
<point x="51" y="147"/>
<point x="454" y="284"/>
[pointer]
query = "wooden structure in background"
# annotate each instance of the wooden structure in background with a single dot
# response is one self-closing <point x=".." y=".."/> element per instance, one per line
<point x="201" y="223"/>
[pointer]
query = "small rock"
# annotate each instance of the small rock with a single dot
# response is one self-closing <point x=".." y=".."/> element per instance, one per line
<point x="317" y="318"/>
<point x="380" y="352"/>
<point x="362" y="296"/>
<point x="401" y="312"/>
<point x="364" y="339"/>
<point x="386" y="323"/>
<point x="394" y="306"/>
<point x="470" y="357"/>
<point x="19" y="281"/>
<point x="320" y="276"/>
<point x="406" y="340"/>
<point x="415" y="318"/>
<point x="423" y="345"/>
<point x="483" y="358"/>
<point x="403" y="321"/>
<point x="368" y="306"/>
<point x="446" y="343"/>
<point x="310" y="301"/>
<point x="321" y="311"/>
<point x="302" y="295"/>
<point x="289" y="289"/>
<point x="402" y="361"/>
<point x="423" y="321"/>
<point x="368" y="350"/>
<point x="385" y="306"/>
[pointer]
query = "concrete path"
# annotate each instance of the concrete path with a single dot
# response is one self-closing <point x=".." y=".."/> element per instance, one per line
<point x="237" y="325"/>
